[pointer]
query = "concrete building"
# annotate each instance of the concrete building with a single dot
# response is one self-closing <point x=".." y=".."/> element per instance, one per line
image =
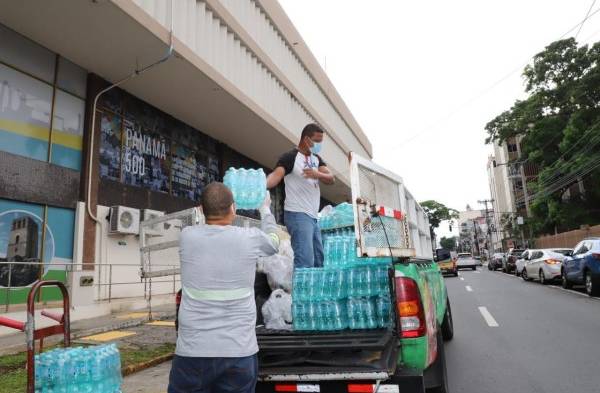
<point x="509" y="176"/>
<point x="203" y="85"/>
<point x="473" y="231"/>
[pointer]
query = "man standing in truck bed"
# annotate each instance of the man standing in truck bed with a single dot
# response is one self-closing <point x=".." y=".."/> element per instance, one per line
<point x="216" y="345"/>
<point x="302" y="170"/>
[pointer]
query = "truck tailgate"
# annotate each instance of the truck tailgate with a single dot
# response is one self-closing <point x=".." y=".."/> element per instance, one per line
<point x="318" y="356"/>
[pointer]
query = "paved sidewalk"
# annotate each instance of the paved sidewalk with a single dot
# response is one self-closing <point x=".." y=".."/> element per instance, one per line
<point x="152" y="380"/>
<point x="16" y="342"/>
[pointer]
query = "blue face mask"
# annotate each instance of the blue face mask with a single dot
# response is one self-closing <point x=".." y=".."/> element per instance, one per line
<point x="316" y="148"/>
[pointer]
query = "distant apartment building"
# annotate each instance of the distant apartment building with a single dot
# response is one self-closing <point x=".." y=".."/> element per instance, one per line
<point x="473" y="231"/>
<point x="509" y="177"/>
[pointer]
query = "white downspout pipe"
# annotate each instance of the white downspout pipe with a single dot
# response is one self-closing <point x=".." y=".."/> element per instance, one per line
<point x="134" y="74"/>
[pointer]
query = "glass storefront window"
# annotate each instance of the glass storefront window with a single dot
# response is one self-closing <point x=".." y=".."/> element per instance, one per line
<point x="67" y="132"/>
<point x="25" y="106"/>
<point x="71" y="77"/>
<point x="24" y="54"/>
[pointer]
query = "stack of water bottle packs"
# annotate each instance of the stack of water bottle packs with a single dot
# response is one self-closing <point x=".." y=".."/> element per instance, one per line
<point x="79" y="370"/>
<point x="340" y="216"/>
<point x="249" y="187"/>
<point x="355" y="297"/>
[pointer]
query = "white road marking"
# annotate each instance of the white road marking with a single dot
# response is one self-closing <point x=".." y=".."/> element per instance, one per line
<point x="468" y="288"/>
<point x="462" y="278"/>
<point x="489" y="319"/>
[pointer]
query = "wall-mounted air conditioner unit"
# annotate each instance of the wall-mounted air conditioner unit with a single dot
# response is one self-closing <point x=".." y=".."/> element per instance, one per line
<point x="124" y="220"/>
<point x="156" y="229"/>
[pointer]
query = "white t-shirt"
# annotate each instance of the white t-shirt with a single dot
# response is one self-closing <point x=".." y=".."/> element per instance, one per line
<point x="302" y="195"/>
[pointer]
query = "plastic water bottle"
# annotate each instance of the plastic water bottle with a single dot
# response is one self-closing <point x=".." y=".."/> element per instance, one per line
<point x="298" y="321"/>
<point x="383" y="305"/>
<point x="383" y="279"/>
<point x="299" y="285"/>
<point x="370" y="315"/>
<point x="339" y="318"/>
<point x="356" y="313"/>
<point x="313" y="314"/>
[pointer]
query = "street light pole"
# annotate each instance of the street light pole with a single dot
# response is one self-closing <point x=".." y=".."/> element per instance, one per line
<point x="487" y="221"/>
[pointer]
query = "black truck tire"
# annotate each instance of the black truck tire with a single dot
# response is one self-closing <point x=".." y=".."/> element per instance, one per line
<point x="436" y="376"/>
<point x="447" y="323"/>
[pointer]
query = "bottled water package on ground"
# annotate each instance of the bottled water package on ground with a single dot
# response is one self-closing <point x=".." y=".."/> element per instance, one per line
<point x="82" y="370"/>
<point x="279" y="270"/>
<point x="277" y="311"/>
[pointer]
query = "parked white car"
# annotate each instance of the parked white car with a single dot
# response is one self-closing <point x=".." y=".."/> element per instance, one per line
<point x="543" y="265"/>
<point x="520" y="264"/>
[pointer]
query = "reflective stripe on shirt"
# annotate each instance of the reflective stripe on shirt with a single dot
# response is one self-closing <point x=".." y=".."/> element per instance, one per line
<point x="218" y="294"/>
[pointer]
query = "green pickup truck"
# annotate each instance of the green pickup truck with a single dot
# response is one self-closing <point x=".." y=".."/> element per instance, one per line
<point x="406" y="357"/>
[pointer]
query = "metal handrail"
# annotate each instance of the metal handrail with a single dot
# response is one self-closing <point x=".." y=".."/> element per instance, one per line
<point x="72" y="267"/>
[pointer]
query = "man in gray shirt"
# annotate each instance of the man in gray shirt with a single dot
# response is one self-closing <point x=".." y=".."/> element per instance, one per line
<point x="216" y="346"/>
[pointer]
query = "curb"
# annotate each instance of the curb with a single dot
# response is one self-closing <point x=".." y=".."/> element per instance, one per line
<point x="134" y="368"/>
<point x="13" y="349"/>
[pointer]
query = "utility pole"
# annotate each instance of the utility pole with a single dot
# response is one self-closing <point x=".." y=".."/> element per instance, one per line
<point x="487" y="221"/>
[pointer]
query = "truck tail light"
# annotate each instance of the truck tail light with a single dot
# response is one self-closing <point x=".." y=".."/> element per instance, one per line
<point x="410" y="308"/>
<point x="297" y="388"/>
<point x="367" y="388"/>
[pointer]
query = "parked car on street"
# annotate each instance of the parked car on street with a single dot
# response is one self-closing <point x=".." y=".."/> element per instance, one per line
<point x="446" y="262"/>
<point x="466" y="261"/>
<point x="510" y="261"/>
<point x="496" y="261"/>
<point x="543" y="265"/>
<point x="583" y="266"/>
<point x="520" y="264"/>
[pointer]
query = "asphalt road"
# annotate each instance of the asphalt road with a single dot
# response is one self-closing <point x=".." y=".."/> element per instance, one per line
<point x="521" y="337"/>
<point x="510" y="336"/>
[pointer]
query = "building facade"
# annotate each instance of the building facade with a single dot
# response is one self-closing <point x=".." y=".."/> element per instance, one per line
<point x="473" y="231"/>
<point x="203" y="85"/>
<point x="510" y="177"/>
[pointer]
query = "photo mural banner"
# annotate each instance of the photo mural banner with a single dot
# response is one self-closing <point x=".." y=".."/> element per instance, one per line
<point x="37" y="249"/>
<point x="141" y="146"/>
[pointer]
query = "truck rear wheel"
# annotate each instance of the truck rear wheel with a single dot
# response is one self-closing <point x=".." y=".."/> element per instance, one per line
<point x="447" y="323"/>
<point x="436" y="376"/>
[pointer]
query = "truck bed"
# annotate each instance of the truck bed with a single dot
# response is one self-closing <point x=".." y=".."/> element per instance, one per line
<point x="302" y="356"/>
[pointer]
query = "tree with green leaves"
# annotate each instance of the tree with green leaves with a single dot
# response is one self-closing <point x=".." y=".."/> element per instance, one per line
<point x="437" y="212"/>
<point x="449" y="243"/>
<point x="558" y="125"/>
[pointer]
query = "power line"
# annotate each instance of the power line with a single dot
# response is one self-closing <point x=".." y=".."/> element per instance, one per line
<point x="591" y="143"/>
<point x="586" y="17"/>
<point x="485" y="91"/>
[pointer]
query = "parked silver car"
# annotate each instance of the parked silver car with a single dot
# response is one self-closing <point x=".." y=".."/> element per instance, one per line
<point x="520" y="264"/>
<point x="543" y="265"/>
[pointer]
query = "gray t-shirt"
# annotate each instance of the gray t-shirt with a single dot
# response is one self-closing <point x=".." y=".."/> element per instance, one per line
<point x="302" y="195"/>
<point x="217" y="315"/>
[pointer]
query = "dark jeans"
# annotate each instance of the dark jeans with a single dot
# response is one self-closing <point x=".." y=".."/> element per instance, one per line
<point x="306" y="239"/>
<point x="213" y="375"/>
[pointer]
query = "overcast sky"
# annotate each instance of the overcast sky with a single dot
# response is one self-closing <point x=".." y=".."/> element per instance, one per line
<point x="417" y="77"/>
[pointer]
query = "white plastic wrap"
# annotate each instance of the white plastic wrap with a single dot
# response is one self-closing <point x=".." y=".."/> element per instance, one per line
<point x="279" y="270"/>
<point x="277" y="311"/>
<point x="285" y="248"/>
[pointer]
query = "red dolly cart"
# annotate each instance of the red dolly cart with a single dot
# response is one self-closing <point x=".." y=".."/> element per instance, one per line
<point x="33" y="334"/>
